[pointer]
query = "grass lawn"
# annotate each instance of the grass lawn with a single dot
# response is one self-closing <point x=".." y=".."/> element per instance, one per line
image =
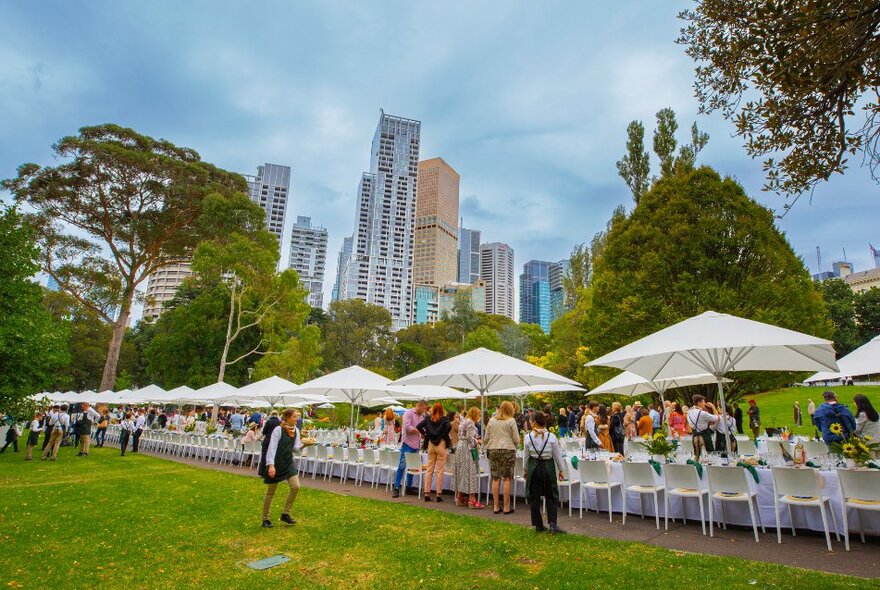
<point x="779" y="403"/>
<point x="142" y="522"/>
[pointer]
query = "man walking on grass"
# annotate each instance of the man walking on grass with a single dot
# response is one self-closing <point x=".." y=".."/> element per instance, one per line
<point x="84" y="428"/>
<point x="58" y="424"/>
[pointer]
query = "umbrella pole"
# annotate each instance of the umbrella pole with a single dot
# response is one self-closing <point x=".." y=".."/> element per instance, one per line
<point x="351" y="425"/>
<point x="724" y="414"/>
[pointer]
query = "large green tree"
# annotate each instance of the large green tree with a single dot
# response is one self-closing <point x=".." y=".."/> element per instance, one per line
<point x="697" y="242"/>
<point x="357" y="333"/>
<point x="118" y="207"/>
<point x="790" y="76"/>
<point x="867" y="314"/>
<point x="32" y="343"/>
<point x="840" y="301"/>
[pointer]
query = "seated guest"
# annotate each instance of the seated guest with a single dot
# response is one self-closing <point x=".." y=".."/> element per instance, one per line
<point x="831" y="412"/>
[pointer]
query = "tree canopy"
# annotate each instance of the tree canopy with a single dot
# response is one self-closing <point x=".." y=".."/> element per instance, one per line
<point x="120" y="206"/>
<point x="790" y="75"/>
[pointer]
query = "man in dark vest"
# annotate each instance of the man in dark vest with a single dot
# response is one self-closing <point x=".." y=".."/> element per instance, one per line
<point x="84" y="428"/>
<point x="279" y="465"/>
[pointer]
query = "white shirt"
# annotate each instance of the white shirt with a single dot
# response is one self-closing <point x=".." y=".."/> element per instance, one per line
<point x="701" y="420"/>
<point x="723" y="426"/>
<point x="36" y="426"/>
<point x="273" y="444"/>
<point x="61" y="420"/>
<point x="92" y="415"/>
<point x="590" y="427"/>
<point x="140" y="422"/>
<point x="127" y="425"/>
<point x="534" y="443"/>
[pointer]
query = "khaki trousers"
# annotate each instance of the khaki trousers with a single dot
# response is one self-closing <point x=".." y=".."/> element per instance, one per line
<point x="436" y="463"/>
<point x="293" y="482"/>
<point x="29" y="453"/>
<point x="84" y="440"/>
<point x="54" y="443"/>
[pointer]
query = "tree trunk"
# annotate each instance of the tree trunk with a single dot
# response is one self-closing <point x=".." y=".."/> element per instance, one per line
<point x="108" y="379"/>
<point x="215" y="409"/>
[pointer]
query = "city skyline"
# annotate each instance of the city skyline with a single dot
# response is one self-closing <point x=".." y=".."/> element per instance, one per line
<point x="534" y="129"/>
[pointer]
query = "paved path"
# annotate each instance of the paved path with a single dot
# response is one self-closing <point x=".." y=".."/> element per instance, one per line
<point x="807" y="550"/>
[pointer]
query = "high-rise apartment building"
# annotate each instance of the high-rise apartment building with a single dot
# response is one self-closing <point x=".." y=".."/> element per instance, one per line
<point x="270" y="189"/>
<point x="468" y="255"/>
<point x="557" y="293"/>
<point x="308" y="257"/>
<point x="162" y="286"/>
<point x="435" y="250"/>
<point x="496" y="271"/>
<point x="341" y="268"/>
<point x="432" y="303"/>
<point x="380" y="266"/>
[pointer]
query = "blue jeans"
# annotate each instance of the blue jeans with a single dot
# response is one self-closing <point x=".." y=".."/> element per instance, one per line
<point x="401" y="467"/>
<point x="100" y="435"/>
<point x="563" y="431"/>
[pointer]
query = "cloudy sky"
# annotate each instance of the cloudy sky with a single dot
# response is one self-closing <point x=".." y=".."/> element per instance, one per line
<point x="529" y="101"/>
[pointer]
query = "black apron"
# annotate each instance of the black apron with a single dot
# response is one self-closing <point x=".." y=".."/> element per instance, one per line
<point x="541" y="476"/>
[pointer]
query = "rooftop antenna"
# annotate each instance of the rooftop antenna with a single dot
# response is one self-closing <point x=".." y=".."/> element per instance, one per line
<point x="844" y="255"/>
<point x="819" y="258"/>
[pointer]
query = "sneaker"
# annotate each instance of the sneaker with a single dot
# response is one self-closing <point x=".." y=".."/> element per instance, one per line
<point x="539" y="529"/>
<point x="267" y="524"/>
<point x="286" y="518"/>
<point x="556" y="530"/>
<point x="395" y="493"/>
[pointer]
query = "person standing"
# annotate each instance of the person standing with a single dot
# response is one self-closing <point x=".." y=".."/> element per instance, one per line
<point x="466" y="476"/>
<point x="139" y="424"/>
<point x="33" y="436"/>
<point x="501" y="441"/>
<point x="12" y="435"/>
<point x="725" y="424"/>
<point x="389" y="436"/>
<point x="542" y="455"/>
<point x="655" y="418"/>
<point x="435" y="428"/>
<point x="588" y="427"/>
<point x="126" y="427"/>
<point x="603" y="428"/>
<point x="59" y="424"/>
<point x="572" y="420"/>
<point x="830" y="413"/>
<point x="562" y="422"/>
<point x="101" y="430"/>
<point x="798" y="421"/>
<point x="645" y="424"/>
<point x="281" y="466"/>
<point x="701" y="417"/>
<point x="47" y="430"/>
<point x="677" y="421"/>
<point x="630" y="421"/>
<point x="754" y="413"/>
<point x="811" y="410"/>
<point x="618" y="432"/>
<point x="738" y="418"/>
<point x="411" y="442"/>
<point x="84" y="428"/>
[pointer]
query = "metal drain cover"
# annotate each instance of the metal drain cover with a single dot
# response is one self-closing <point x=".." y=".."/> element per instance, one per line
<point x="265" y="564"/>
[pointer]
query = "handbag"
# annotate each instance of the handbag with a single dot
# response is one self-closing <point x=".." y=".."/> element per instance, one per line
<point x="475" y="454"/>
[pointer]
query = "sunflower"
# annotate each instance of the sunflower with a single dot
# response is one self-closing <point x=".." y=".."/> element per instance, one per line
<point x="646" y="437"/>
<point x="659" y="436"/>
<point x="836" y="428"/>
<point x="849" y="449"/>
<point x="869" y="438"/>
<point x="864" y="447"/>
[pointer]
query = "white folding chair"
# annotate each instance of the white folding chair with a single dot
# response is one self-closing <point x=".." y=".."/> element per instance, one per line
<point x="800" y="487"/>
<point x="393" y="464"/>
<point x="746" y="446"/>
<point x="684" y="481"/>
<point x="731" y="484"/>
<point x="414" y="467"/>
<point x="483" y="466"/>
<point x="519" y="476"/>
<point x="371" y="462"/>
<point x="639" y="478"/>
<point x="309" y="456"/>
<point x="336" y="458"/>
<point x="352" y="461"/>
<point x="572" y="479"/>
<point x="381" y="467"/>
<point x="859" y="490"/>
<point x="815" y="448"/>
<point x="636" y="445"/>
<point x="321" y="457"/>
<point x="594" y="476"/>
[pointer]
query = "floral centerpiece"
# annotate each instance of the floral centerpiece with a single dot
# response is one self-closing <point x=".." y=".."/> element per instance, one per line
<point x="858" y="449"/>
<point x="189" y="427"/>
<point x="362" y="440"/>
<point x="210" y="430"/>
<point x="659" y="446"/>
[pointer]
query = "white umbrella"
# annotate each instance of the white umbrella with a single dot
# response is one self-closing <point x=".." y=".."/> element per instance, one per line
<point x="718" y="344"/>
<point x="630" y="384"/>
<point x="486" y="371"/>
<point x="182" y="392"/>
<point x="865" y="360"/>
<point x="270" y="389"/>
<point x="355" y="385"/>
<point x="425" y="392"/>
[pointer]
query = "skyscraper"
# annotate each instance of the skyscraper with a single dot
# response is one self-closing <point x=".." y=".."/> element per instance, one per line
<point x="534" y="294"/>
<point x="308" y="256"/>
<point x="496" y="271"/>
<point x="341" y="268"/>
<point x="557" y="293"/>
<point x="162" y="285"/>
<point x="270" y="189"/>
<point x="435" y="253"/>
<point x="380" y="266"/>
<point x="468" y="255"/>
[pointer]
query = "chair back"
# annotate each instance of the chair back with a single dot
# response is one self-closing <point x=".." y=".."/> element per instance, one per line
<point x="339" y="454"/>
<point x="686" y="444"/>
<point x="775" y="446"/>
<point x="369" y="457"/>
<point x="731" y="480"/>
<point x="636" y="445"/>
<point x="746" y="447"/>
<point x="384" y="456"/>
<point x="815" y="448"/>
<point x="592" y="471"/>
<point x="681" y="476"/>
<point x="788" y="481"/>
<point x="394" y="459"/>
<point x="413" y="461"/>
<point x="860" y="485"/>
<point x="322" y="453"/>
<point x="638" y="474"/>
<point x="311" y="452"/>
<point x="519" y="469"/>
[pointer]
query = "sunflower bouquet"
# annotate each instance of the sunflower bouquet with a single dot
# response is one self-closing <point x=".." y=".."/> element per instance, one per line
<point x="659" y="444"/>
<point x="860" y="449"/>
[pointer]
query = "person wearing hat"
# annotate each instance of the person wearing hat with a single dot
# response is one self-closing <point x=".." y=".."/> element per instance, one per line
<point x="754" y="413"/>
